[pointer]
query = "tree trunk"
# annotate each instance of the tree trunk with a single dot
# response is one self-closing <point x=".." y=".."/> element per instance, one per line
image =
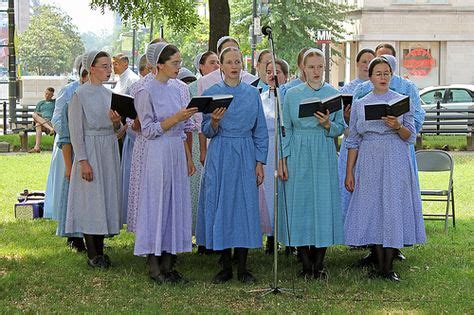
<point x="219" y="21"/>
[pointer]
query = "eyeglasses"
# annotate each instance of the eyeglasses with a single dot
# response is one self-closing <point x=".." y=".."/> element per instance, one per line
<point x="176" y="63"/>
<point x="105" y="67"/>
<point x="383" y="74"/>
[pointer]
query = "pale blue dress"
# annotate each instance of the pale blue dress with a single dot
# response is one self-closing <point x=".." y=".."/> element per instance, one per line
<point x="342" y="160"/>
<point x="285" y="87"/>
<point x="61" y="126"/>
<point x="93" y="207"/>
<point x="163" y="218"/>
<point x="125" y="165"/>
<point x="54" y="183"/>
<point x="404" y="87"/>
<point x="312" y="212"/>
<point x="385" y="207"/>
<point x="228" y="211"/>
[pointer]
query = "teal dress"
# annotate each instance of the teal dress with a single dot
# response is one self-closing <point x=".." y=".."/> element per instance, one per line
<point x="312" y="212"/>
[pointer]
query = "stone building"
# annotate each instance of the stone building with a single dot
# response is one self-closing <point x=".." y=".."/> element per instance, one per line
<point x="434" y="39"/>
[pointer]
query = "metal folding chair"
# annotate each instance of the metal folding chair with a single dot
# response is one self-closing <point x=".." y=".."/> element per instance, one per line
<point x="437" y="161"/>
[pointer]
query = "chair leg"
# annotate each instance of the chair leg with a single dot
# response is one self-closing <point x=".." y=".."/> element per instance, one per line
<point x="447" y="213"/>
<point x="452" y="206"/>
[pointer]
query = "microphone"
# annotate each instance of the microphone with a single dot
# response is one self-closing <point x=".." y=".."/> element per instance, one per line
<point x="266" y="30"/>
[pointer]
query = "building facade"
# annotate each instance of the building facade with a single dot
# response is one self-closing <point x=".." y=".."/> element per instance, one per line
<point x="434" y="39"/>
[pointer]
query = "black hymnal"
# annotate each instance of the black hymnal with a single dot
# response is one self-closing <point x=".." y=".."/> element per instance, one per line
<point x="347" y="100"/>
<point x="312" y="105"/>
<point x="123" y="104"/>
<point x="207" y="104"/>
<point x="397" y="107"/>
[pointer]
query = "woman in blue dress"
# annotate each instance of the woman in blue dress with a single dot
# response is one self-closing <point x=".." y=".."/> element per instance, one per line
<point x="64" y="144"/>
<point x="228" y="213"/>
<point x="362" y="61"/>
<point x="385" y="208"/>
<point x="309" y="166"/>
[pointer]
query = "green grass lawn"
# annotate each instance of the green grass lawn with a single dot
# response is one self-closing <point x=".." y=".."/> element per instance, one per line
<point x="39" y="274"/>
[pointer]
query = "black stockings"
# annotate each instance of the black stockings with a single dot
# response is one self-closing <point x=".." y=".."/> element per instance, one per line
<point x="312" y="258"/>
<point x="385" y="257"/>
<point x="94" y="245"/>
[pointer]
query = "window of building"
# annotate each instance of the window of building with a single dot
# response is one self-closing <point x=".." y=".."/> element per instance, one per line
<point x="437" y="1"/>
<point x="419" y="62"/>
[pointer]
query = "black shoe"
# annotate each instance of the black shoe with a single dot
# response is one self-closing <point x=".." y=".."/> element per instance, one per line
<point x="159" y="278"/>
<point x="305" y="274"/>
<point x="368" y="260"/>
<point x="222" y="276"/>
<point x="270" y="245"/>
<point x="98" y="262"/>
<point x="173" y="277"/>
<point x="320" y="275"/>
<point x="246" y="277"/>
<point x="392" y="276"/>
<point x="201" y="250"/>
<point x="399" y="256"/>
<point x="107" y="261"/>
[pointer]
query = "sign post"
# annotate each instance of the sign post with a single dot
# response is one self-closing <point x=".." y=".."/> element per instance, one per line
<point x="324" y="38"/>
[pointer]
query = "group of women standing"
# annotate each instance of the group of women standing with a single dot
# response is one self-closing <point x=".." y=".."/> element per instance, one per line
<point x="236" y="187"/>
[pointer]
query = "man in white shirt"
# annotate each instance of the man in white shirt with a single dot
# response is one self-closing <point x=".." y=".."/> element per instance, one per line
<point x="126" y="77"/>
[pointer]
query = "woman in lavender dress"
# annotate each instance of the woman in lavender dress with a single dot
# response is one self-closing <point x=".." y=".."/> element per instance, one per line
<point x="163" y="226"/>
<point x="385" y="207"/>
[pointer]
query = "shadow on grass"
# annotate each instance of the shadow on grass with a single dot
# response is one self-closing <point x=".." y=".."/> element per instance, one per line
<point x="40" y="274"/>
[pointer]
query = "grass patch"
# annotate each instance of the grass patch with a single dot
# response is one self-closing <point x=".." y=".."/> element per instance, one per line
<point x="38" y="273"/>
<point x="15" y="145"/>
<point x="456" y="143"/>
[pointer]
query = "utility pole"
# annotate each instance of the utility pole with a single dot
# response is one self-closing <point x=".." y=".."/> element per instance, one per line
<point x="253" y="36"/>
<point x="12" y="82"/>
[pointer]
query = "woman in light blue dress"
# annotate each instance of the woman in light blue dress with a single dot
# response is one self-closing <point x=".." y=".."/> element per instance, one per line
<point x="228" y="211"/>
<point x="94" y="201"/>
<point x="64" y="143"/>
<point x="362" y="61"/>
<point x="385" y="207"/>
<point x="310" y="217"/>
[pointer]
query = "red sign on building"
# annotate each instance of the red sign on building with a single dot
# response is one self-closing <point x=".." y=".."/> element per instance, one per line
<point x="418" y="62"/>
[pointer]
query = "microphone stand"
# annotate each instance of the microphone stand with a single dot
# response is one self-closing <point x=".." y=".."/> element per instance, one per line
<point x="279" y="126"/>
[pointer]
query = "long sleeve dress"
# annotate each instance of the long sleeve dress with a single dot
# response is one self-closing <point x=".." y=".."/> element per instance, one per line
<point x="55" y="181"/>
<point x="228" y="210"/>
<point x="93" y="207"/>
<point x="404" y="87"/>
<point x="312" y="213"/>
<point x="61" y="126"/>
<point x="163" y="221"/>
<point x="385" y="207"/>
<point x="342" y="159"/>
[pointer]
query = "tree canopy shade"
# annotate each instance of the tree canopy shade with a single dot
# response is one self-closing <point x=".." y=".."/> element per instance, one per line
<point x="294" y="23"/>
<point x="180" y="14"/>
<point x="50" y="43"/>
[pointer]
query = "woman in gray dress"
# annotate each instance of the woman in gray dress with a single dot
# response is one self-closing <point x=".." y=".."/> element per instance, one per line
<point x="95" y="184"/>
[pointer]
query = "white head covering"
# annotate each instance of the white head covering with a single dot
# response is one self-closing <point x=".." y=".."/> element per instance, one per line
<point x="392" y="61"/>
<point x="154" y="51"/>
<point x="78" y="63"/>
<point x="88" y="59"/>
<point x="197" y="61"/>
<point x="313" y="50"/>
<point x="185" y="73"/>
<point x="223" y="39"/>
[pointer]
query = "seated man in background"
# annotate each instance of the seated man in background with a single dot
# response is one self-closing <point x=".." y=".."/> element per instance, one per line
<point x="42" y="117"/>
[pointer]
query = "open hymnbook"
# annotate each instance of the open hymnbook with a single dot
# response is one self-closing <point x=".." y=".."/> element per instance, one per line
<point x="396" y="107"/>
<point x="207" y="104"/>
<point x="310" y="106"/>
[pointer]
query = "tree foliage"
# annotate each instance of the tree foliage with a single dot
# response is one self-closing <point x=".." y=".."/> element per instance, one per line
<point x="50" y="43"/>
<point x="180" y="14"/>
<point x="294" y="24"/>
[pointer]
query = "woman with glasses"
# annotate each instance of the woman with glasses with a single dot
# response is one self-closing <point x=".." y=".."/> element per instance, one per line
<point x="163" y="223"/>
<point x="228" y="213"/>
<point x="93" y="207"/>
<point x="313" y="220"/>
<point x="385" y="208"/>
